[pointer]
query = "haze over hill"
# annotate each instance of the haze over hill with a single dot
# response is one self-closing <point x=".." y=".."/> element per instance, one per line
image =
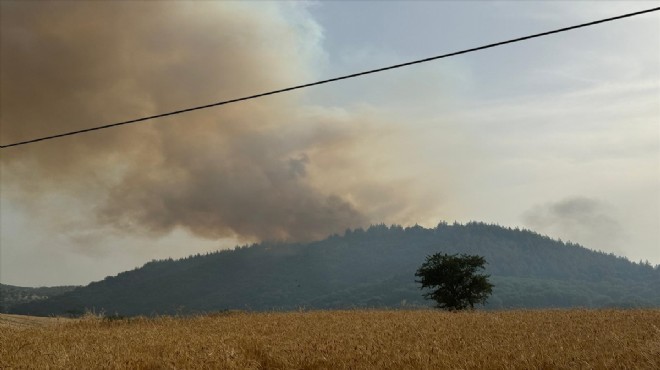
<point x="372" y="268"/>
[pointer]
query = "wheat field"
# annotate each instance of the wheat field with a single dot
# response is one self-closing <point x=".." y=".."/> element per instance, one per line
<point x="360" y="339"/>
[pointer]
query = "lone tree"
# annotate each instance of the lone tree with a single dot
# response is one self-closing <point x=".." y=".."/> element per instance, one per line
<point x="455" y="280"/>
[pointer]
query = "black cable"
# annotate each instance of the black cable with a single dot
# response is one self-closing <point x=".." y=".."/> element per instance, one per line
<point x="331" y="79"/>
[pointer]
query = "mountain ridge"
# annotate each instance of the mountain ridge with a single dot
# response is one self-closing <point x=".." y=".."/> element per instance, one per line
<point x="366" y="268"/>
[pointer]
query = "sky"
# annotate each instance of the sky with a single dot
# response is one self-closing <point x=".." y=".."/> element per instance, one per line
<point x="560" y="134"/>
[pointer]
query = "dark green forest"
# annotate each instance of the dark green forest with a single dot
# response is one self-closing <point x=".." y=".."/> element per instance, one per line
<point x="365" y="268"/>
<point x="11" y="295"/>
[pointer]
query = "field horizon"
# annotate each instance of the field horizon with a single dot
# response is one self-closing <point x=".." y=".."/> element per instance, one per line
<point x="385" y="339"/>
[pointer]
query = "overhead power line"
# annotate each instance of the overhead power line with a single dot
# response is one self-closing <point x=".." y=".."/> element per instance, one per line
<point x="419" y="61"/>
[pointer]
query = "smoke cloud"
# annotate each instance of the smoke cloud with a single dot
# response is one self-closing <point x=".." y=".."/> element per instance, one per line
<point x="251" y="171"/>
<point x="579" y="219"/>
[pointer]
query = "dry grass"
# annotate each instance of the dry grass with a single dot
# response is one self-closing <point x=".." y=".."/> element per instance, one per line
<point x="20" y="321"/>
<point x="547" y="339"/>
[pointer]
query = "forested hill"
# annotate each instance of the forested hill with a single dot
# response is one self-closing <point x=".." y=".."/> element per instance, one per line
<point x="372" y="268"/>
<point x="11" y="295"/>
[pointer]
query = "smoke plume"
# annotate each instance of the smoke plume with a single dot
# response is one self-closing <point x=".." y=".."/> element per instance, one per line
<point x="579" y="219"/>
<point x="247" y="170"/>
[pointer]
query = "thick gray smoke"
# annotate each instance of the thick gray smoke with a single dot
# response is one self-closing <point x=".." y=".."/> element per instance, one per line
<point x="238" y="171"/>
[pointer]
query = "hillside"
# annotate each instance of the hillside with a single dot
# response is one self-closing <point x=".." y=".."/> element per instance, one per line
<point x="11" y="295"/>
<point x="372" y="268"/>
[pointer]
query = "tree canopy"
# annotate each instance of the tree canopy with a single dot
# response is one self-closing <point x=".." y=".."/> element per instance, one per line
<point x="454" y="280"/>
